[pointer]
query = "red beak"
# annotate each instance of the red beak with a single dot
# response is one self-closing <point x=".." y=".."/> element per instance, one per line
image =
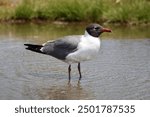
<point x="106" y="30"/>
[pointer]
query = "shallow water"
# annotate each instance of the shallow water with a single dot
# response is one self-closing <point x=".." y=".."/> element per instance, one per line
<point x="121" y="70"/>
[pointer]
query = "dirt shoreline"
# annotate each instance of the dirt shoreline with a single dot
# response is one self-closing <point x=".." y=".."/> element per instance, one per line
<point x="41" y="21"/>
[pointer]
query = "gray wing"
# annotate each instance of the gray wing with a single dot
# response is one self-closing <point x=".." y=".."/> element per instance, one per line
<point x="62" y="47"/>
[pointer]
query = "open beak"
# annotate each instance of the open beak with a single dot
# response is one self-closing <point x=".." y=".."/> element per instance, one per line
<point x="106" y="30"/>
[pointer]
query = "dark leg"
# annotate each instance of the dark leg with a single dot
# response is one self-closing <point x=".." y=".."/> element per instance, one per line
<point x="79" y="71"/>
<point x="69" y="71"/>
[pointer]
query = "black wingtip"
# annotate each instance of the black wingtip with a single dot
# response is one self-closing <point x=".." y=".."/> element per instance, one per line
<point x="26" y="44"/>
<point x="30" y="45"/>
<point x="35" y="48"/>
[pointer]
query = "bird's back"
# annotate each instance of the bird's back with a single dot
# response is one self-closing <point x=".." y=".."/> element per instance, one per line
<point x="61" y="47"/>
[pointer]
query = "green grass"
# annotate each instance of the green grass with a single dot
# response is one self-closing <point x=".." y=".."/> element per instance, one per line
<point x="130" y="11"/>
<point x="66" y="10"/>
<point x="24" y="11"/>
<point x="124" y="11"/>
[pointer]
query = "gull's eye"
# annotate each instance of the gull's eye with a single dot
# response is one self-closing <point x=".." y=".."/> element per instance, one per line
<point x="96" y="28"/>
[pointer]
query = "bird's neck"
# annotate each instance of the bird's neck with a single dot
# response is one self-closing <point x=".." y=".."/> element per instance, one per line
<point x="87" y="35"/>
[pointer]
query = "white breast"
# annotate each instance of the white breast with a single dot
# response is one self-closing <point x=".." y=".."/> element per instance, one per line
<point x="88" y="48"/>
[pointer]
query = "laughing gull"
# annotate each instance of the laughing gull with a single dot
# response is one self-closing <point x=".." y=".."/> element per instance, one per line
<point x="73" y="49"/>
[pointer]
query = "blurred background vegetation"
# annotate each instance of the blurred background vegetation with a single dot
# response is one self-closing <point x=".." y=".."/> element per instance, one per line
<point x="104" y="11"/>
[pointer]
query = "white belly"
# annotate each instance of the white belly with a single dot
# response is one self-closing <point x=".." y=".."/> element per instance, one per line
<point x="87" y="50"/>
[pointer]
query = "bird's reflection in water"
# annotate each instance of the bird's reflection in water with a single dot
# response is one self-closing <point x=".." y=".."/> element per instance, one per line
<point x="64" y="92"/>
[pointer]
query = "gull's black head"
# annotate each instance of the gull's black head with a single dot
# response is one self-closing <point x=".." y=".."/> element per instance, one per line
<point x="96" y="30"/>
